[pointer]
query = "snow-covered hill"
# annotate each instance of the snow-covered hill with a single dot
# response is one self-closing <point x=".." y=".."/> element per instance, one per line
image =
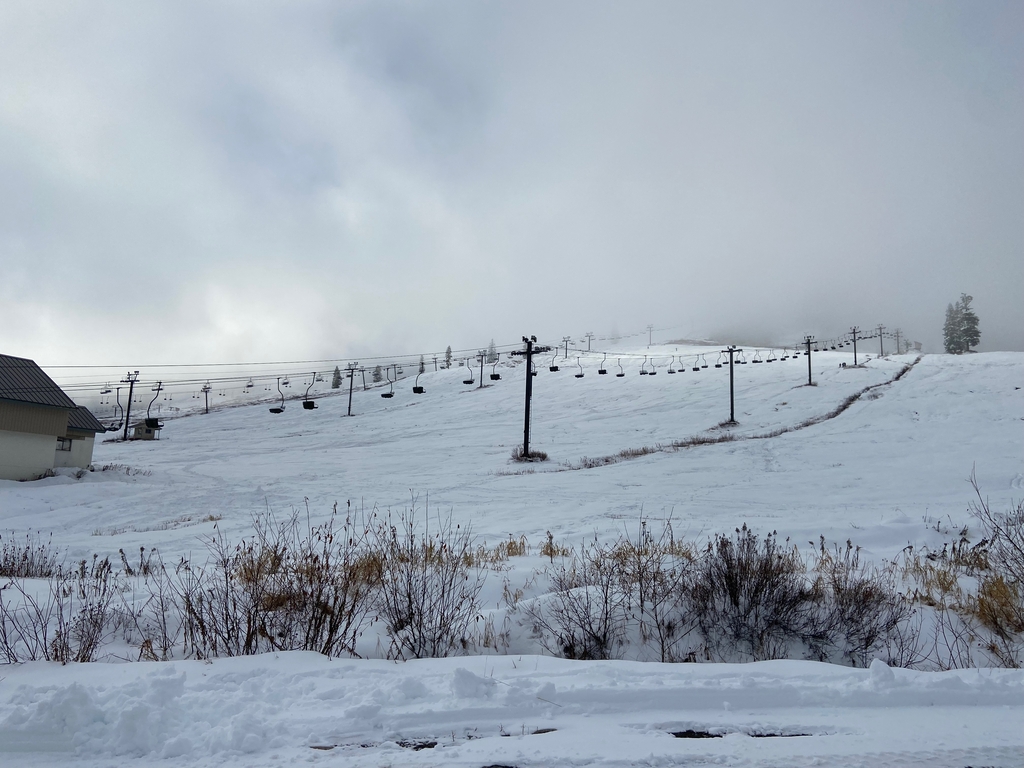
<point x="889" y="470"/>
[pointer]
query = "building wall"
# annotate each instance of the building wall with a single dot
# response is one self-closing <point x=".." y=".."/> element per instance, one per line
<point x="80" y="454"/>
<point x="25" y="456"/>
<point x="33" y="419"/>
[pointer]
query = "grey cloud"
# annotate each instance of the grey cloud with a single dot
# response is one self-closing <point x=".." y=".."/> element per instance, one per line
<point x="319" y="180"/>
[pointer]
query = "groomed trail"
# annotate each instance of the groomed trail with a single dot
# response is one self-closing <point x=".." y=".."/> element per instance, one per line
<point x="715" y="435"/>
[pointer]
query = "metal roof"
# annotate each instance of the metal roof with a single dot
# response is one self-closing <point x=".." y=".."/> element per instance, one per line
<point x="82" y="419"/>
<point x="22" y="381"/>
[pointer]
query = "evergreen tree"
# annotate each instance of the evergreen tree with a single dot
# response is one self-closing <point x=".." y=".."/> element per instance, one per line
<point x="492" y="352"/>
<point x="960" y="332"/>
<point x="423" y="364"/>
<point x="970" y="333"/>
<point x="336" y="379"/>
<point x="951" y="331"/>
<point x="448" y="357"/>
<point x="378" y="374"/>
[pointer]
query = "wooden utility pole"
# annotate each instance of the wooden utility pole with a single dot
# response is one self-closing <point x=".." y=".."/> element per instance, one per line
<point x="732" y="397"/>
<point x="528" y="353"/>
<point x="130" y="380"/>
<point x="881" y="345"/>
<point x="807" y="341"/>
<point x="351" y="383"/>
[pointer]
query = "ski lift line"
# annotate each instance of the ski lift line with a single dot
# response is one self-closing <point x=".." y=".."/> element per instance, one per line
<point x="411" y="357"/>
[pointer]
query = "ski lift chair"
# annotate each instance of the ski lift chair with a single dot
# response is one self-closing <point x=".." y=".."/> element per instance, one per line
<point x="602" y="370"/>
<point x="279" y="408"/>
<point x="580" y="374"/>
<point x="416" y="388"/>
<point x="671" y="363"/>
<point x="718" y="362"/>
<point x="757" y="356"/>
<point x="653" y="371"/>
<point x="553" y="368"/>
<point x="703" y="362"/>
<point x="119" y="414"/>
<point x="621" y="372"/>
<point x="471" y="379"/>
<point x="771" y="357"/>
<point x="152" y="423"/>
<point x="391" y="393"/>
<point x="307" y="402"/>
<point x="643" y="367"/>
<point x="249" y="384"/>
<point x="696" y="364"/>
<point x="495" y="376"/>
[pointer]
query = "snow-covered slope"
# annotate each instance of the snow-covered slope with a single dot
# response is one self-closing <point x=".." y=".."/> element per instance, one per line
<point x="891" y="469"/>
<point x="892" y="464"/>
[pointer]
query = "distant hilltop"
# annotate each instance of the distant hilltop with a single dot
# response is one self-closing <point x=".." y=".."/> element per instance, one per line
<point x="692" y="342"/>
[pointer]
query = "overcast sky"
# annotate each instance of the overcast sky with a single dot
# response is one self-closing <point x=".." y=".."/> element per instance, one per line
<point x="222" y="181"/>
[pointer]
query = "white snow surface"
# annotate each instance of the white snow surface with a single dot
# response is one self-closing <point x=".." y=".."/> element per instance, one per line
<point x="889" y="471"/>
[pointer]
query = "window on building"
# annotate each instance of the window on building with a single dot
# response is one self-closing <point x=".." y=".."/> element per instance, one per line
<point x="63" y="443"/>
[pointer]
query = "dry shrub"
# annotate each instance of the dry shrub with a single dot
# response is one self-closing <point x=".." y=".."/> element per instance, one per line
<point x="585" y="614"/>
<point x="519" y="455"/>
<point x="73" y="619"/>
<point x="32" y="558"/>
<point x="999" y="606"/>
<point x="288" y="587"/>
<point x="657" y="574"/>
<point x="862" y="607"/>
<point x="750" y="597"/>
<point x="552" y="549"/>
<point x="428" y="590"/>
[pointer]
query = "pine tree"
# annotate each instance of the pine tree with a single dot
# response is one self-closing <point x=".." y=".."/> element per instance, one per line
<point x="423" y="364"/>
<point x="960" y="332"/>
<point x="448" y="357"/>
<point x="336" y="379"/>
<point x="970" y="333"/>
<point x="492" y="352"/>
<point x="951" y="331"/>
<point x="378" y="374"/>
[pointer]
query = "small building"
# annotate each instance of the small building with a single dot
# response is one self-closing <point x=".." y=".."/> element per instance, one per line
<point x="75" y="448"/>
<point x="148" y="429"/>
<point x="34" y="415"/>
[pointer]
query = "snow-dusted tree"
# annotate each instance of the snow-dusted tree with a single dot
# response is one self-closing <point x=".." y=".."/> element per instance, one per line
<point x="960" y="332"/>
<point x="336" y="379"/>
<point x="951" y="331"/>
<point x="970" y="333"/>
<point x="423" y="364"/>
<point x="448" y="357"/>
<point x="492" y="352"/>
<point x="378" y="374"/>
